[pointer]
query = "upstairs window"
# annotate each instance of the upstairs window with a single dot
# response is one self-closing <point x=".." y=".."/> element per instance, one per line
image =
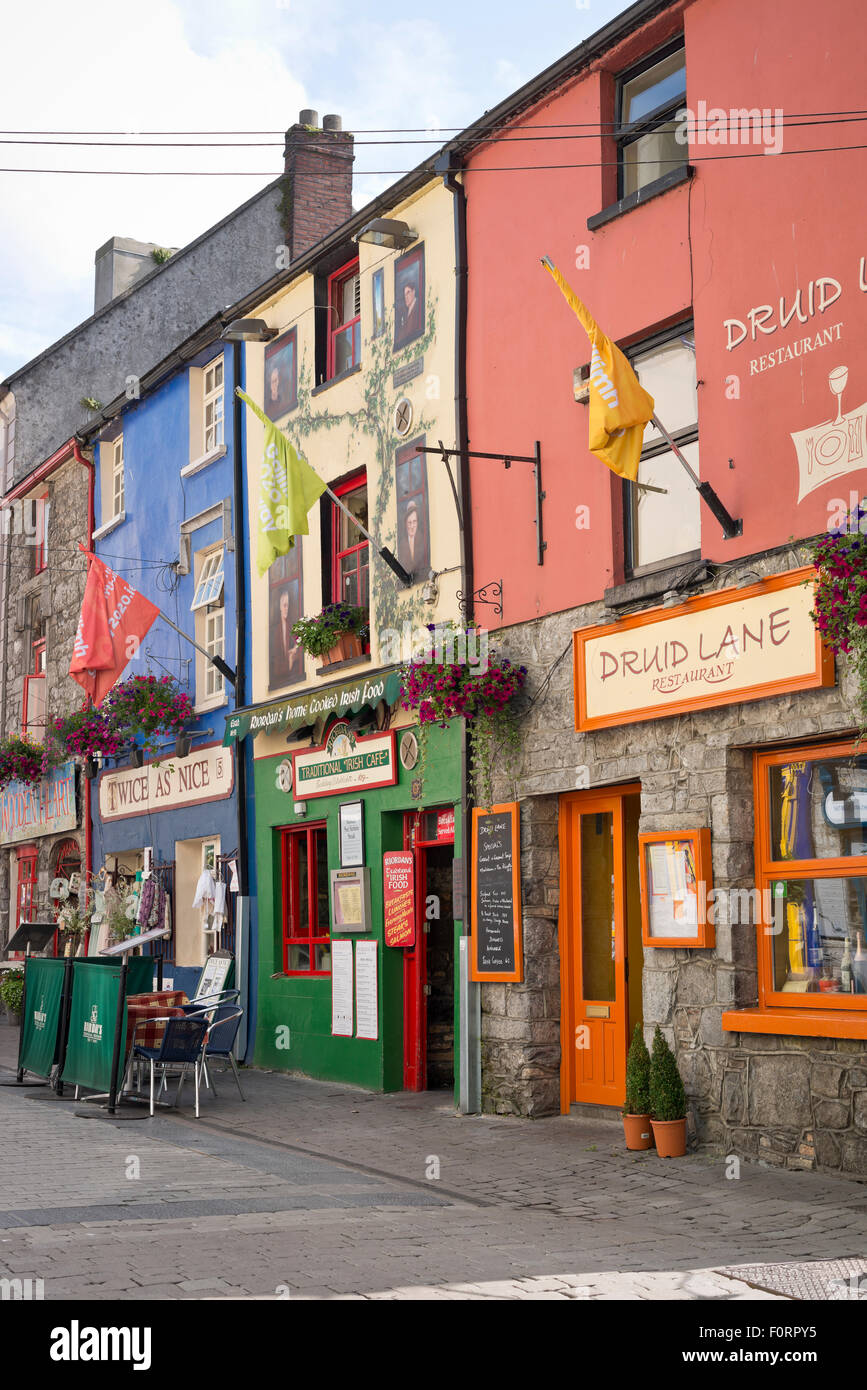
<point x="34" y="702"/>
<point x="344" y="315"/>
<point x="649" y="97"/>
<point x="350" y="575"/>
<point x="212" y="405"/>
<point x="39" y="548"/>
<point x="117" y="488"/>
<point x="210" y="626"/>
<point x="209" y="588"/>
<point x="663" y="520"/>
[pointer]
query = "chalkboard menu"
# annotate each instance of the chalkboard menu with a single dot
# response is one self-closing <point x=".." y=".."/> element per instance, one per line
<point x="497" y="954"/>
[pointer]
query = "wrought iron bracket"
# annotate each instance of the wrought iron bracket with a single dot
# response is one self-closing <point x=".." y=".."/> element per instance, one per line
<point x="506" y="460"/>
<point x="491" y="593"/>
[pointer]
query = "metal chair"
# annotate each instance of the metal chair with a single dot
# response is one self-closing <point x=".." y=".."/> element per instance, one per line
<point x="221" y="1039"/>
<point x="183" y="1042"/>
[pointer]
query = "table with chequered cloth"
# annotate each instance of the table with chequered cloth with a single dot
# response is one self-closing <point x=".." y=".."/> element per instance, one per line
<point x="151" y="1008"/>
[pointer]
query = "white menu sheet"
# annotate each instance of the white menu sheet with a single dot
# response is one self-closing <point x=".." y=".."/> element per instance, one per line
<point x="341" y="989"/>
<point x="366" y="1003"/>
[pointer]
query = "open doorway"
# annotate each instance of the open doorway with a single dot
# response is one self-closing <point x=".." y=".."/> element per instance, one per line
<point x="429" y="967"/>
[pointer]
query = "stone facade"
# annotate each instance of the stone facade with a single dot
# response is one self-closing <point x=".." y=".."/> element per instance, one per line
<point x="789" y="1101"/>
<point x="48" y="602"/>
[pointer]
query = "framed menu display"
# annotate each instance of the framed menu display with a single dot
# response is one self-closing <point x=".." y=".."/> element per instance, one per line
<point x="351" y="815"/>
<point x="676" y="879"/>
<point x="497" y="953"/>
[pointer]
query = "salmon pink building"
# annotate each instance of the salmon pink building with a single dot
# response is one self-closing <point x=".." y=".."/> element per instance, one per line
<point x="692" y="797"/>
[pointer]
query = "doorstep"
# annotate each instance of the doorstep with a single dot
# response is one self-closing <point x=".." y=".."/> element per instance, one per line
<point x="612" y="1113"/>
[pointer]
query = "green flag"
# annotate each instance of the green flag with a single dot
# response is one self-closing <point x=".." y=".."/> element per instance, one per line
<point x="288" y="487"/>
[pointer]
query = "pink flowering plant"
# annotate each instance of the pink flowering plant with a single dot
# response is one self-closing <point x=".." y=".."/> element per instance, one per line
<point x="840" y="605"/>
<point x="83" y="734"/>
<point x="147" y="705"/>
<point x="482" y="693"/>
<point x="21" y="760"/>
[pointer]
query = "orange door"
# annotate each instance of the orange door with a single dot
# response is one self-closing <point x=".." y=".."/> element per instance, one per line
<point x="594" y="948"/>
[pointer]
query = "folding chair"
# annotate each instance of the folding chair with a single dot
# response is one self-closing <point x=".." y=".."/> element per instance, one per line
<point x="221" y="1039"/>
<point x="183" y="1042"/>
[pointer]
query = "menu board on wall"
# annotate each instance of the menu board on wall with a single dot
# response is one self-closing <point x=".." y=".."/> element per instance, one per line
<point x="398" y="896"/>
<point x="497" y="954"/>
<point x="366" y="1004"/>
<point x="341" y="989"/>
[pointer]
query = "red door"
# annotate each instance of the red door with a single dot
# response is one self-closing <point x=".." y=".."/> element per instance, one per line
<point x="415" y="975"/>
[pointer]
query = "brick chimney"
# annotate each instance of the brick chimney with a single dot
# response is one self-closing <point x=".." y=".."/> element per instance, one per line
<point x="318" y="170"/>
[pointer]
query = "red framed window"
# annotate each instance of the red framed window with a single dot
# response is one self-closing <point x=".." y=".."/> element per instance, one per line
<point x="40" y="537"/>
<point x="350" y="574"/>
<point x="306" y="917"/>
<point x="33" y="703"/>
<point x="344" y="320"/>
<point x="25" y="906"/>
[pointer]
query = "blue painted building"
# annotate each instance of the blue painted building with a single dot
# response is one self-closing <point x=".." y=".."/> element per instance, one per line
<point x="165" y="503"/>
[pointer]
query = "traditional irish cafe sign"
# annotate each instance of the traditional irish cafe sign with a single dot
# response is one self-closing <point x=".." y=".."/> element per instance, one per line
<point x="734" y="645"/>
<point x="49" y="806"/>
<point x="207" y="774"/>
<point x="345" y="763"/>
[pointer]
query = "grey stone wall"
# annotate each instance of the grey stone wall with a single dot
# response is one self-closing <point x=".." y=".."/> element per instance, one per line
<point x="789" y="1101"/>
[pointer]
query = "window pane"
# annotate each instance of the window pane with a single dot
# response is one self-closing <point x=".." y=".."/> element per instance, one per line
<point x="597" y="906"/>
<point x="322" y="958"/>
<point x="356" y="503"/>
<point x="343" y="351"/>
<point x="323" y="920"/>
<point x="668" y="373"/>
<point x="819" y="932"/>
<point x="669" y="523"/>
<point x="651" y="156"/>
<point x="819" y="808"/>
<point x="348" y="293"/>
<point x="663" y="83"/>
<point x="301" y="927"/>
<point x="298" y="958"/>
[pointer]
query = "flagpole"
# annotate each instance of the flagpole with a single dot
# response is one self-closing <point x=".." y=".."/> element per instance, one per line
<point x="386" y="555"/>
<point x="217" y="661"/>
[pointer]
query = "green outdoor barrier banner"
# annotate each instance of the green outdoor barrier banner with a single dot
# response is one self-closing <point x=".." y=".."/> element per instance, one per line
<point x="90" y="1045"/>
<point x="40" y="1026"/>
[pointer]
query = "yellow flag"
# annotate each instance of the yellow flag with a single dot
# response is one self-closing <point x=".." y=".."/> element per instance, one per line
<point x="619" y="406"/>
<point x="288" y="488"/>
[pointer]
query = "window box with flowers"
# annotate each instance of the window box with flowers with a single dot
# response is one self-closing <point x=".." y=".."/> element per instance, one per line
<point x="480" y="692"/>
<point x="338" y="633"/>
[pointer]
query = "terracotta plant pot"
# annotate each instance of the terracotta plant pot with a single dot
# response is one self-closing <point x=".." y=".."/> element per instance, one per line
<point x="348" y="647"/>
<point x="636" y="1129"/>
<point x="670" y="1138"/>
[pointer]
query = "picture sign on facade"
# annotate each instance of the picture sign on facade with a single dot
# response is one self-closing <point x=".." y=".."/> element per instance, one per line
<point x="44" y="809"/>
<point x="735" y="645"/>
<point x="398" y="893"/>
<point x="207" y="774"/>
<point x="497" y="953"/>
<point x="344" y="763"/>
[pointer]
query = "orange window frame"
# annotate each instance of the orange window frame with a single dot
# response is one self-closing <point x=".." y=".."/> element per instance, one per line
<point x="812" y="1015"/>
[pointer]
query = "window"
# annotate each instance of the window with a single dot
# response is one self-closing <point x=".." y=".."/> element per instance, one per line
<point x="344" y="315"/>
<point x="811" y="873"/>
<point x="7" y="442"/>
<point x="663" y="520"/>
<point x="39" y="545"/>
<point x="350" y="582"/>
<point x="210" y="586"/>
<point x="26" y="902"/>
<point x="306" y="921"/>
<point x="117" y="496"/>
<point x="210" y="626"/>
<point x="34" y="701"/>
<point x="649" y="97"/>
<point x="212" y="405"/>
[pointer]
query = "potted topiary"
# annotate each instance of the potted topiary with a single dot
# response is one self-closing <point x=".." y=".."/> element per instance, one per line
<point x="636" y="1115"/>
<point x="667" y="1100"/>
<point x="338" y="633"/>
<point x="12" y="993"/>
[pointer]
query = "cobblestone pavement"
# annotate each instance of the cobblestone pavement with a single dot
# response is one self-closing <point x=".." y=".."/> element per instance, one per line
<point x="321" y="1191"/>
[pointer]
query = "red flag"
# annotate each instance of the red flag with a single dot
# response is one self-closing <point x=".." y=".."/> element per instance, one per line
<point x="114" y="621"/>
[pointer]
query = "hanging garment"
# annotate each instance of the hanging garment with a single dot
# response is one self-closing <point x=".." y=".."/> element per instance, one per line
<point x="219" y="918"/>
<point x="159" y="906"/>
<point x="205" y="888"/>
<point x="146" y="902"/>
<point x="234" y="885"/>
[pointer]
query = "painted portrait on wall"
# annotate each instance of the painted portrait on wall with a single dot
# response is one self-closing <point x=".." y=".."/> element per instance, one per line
<point x="413" y="518"/>
<point x="409" y="310"/>
<point x="281" y="375"/>
<point x="286" y="606"/>
<point x="378" y="288"/>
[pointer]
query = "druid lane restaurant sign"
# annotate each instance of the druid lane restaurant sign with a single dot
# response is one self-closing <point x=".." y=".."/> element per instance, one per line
<point x="345" y="763"/>
<point x="339" y="700"/>
<point x="722" y="648"/>
<point x="207" y="774"/>
<point x="49" y="806"/>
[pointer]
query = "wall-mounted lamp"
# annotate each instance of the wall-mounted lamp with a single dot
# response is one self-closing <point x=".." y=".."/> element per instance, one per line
<point x="300" y="808"/>
<point x="248" y="331"/>
<point x="385" y="231"/>
<point x="430" y="592"/>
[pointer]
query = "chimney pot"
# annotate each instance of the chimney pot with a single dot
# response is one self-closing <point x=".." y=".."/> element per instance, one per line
<point x="332" y="122"/>
<point x="309" y="118"/>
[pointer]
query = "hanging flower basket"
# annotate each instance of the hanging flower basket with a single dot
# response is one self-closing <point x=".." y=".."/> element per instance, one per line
<point x="83" y="734"/>
<point x="337" y="633"/>
<point x="840" y="606"/>
<point x="482" y="694"/>
<point x="145" y="706"/>
<point x="22" y="760"/>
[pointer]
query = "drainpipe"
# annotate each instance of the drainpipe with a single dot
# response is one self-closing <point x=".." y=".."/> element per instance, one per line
<point x="470" y="1075"/>
<point x="91" y="525"/>
<point x="243" y="905"/>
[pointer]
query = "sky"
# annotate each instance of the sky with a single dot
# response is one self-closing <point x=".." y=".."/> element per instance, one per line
<point x="225" y="65"/>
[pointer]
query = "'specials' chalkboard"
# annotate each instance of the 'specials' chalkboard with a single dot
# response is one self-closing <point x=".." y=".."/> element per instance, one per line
<point x="494" y="889"/>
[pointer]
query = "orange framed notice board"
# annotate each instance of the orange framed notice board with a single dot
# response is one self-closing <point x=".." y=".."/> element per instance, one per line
<point x="497" y="954"/>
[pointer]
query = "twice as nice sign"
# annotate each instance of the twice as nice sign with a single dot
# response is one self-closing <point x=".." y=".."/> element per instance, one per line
<point x="721" y="648"/>
<point x="207" y="774"/>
